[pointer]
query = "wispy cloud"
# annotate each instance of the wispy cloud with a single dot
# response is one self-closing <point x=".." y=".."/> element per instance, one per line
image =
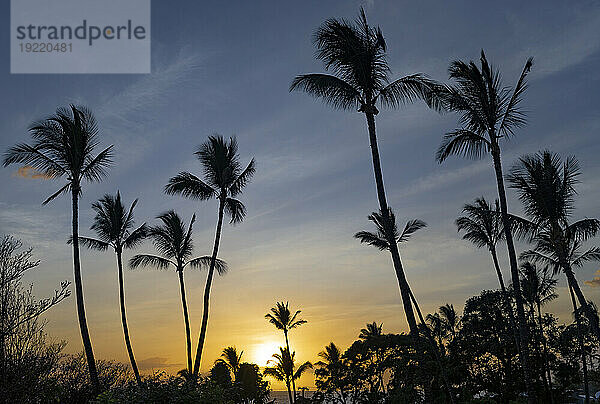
<point x="30" y="173"/>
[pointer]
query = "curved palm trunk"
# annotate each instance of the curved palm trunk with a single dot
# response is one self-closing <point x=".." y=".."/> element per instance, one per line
<point x="545" y="346"/>
<point x="589" y="313"/>
<point x="136" y="372"/>
<point x="83" y="328"/>
<point x="511" y="315"/>
<point x="514" y="271"/>
<point x="209" y="278"/>
<point x="188" y="339"/>
<point x="586" y="386"/>
<point x="402" y="283"/>
<point x="438" y="358"/>
<point x="287" y="345"/>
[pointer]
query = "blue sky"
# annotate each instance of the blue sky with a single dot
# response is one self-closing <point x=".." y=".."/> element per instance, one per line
<point x="226" y="68"/>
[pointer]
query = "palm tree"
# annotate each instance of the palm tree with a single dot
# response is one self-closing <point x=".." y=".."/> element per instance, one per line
<point x="113" y="224"/>
<point x="224" y="180"/>
<point x="372" y="330"/>
<point x="546" y="187"/>
<point x="450" y="320"/>
<point x="489" y="112"/>
<point x="539" y="288"/>
<point x="435" y="324"/>
<point x="175" y="245"/>
<point x="63" y="146"/>
<point x="232" y="360"/>
<point x="284" y="369"/>
<point x="331" y="365"/>
<point x="483" y="226"/>
<point x="355" y="54"/>
<point x="582" y="350"/>
<point x="283" y="319"/>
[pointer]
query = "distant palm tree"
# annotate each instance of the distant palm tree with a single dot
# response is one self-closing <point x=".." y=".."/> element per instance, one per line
<point x="175" y="245"/>
<point x="483" y="226"/>
<point x="64" y="146"/>
<point x="435" y="324"/>
<point x="546" y="187"/>
<point x="539" y="288"/>
<point x="232" y="360"/>
<point x="371" y="330"/>
<point x="284" y="370"/>
<point x="355" y="54"/>
<point x="113" y="224"/>
<point x="331" y="365"/>
<point x="450" y="320"/>
<point x="283" y="319"/>
<point x="489" y="112"/>
<point x="224" y="180"/>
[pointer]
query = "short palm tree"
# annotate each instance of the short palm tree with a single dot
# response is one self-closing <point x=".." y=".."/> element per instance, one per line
<point x="489" y="112"/>
<point x="546" y="187"/>
<point x="175" y="245"/>
<point x="359" y="79"/>
<point x="284" y="370"/>
<point x="224" y="180"/>
<point x="371" y="330"/>
<point x="63" y="146"/>
<point x="232" y="360"/>
<point x="114" y="226"/>
<point x="330" y="368"/>
<point x="450" y="320"/>
<point x="283" y="319"/>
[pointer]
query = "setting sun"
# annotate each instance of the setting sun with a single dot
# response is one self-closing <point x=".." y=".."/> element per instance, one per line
<point x="263" y="352"/>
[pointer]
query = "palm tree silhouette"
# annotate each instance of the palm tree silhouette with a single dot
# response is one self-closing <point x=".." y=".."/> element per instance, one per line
<point x="450" y="320"/>
<point x="332" y="365"/>
<point x="489" y="112"/>
<point x="546" y="187"/>
<point x="539" y="288"/>
<point x="284" y="370"/>
<point x="113" y="224"/>
<point x="175" y="245"/>
<point x="63" y="146"/>
<point x="281" y="317"/>
<point x="232" y="360"/>
<point x="482" y="225"/>
<point x="355" y="54"/>
<point x="371" y="330"/>
<point x="224" y="180"/>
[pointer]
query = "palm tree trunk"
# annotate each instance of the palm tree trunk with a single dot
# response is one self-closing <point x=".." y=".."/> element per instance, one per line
<point x="83" y="328"/>
<point x="546" y="362"/>
<point x="186" y="319"/>
<point x="511" y="315"/>
<point x="287" y="383"/>
<point x="586" y="386"/>
<point x="209" y="278"/>
<point x="514" y="270"/>
<point x="434" y="347"/>
<point x="589" y="313"/>
<point x="402" y="283"/>
<point x="287" y="345"/>
<point x="136" y="372"/>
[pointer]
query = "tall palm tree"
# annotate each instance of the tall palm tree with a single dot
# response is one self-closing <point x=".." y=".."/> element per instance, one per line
<point x="224" y="180"/>
<point x="546" y="187"/>
<point x="539" y="288"/>
<point x="489" y="112"/>
<point x="114" y="224"/>
<point x="284" y="369"/>
<point x="175" y="245"/>
<point x="482" y="225"/>
<point x="232" y="360"/>
<point x="283" y="319"/>
<point x="355" y="55"/>
<point x="63" y="146"/>
<point x="371" y="330"/>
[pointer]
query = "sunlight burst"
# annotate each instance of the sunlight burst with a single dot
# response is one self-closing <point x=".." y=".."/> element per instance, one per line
<point x="264" y="351"/>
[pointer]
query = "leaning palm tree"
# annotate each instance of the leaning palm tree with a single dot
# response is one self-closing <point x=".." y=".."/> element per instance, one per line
<point x="175" y="245"/>
<point x="232" y="361"/>
<point x="224" y="180"/>
<point x="546" y="187"/>
<point x="114" y="224"/>
<point x="355" y="55"/>
<point x="283" y="319"/>
<point x="539" y="289"/>
<point x="489" y="112"/>
<point x="284" y="370"/>
<point x="63" y="146"/>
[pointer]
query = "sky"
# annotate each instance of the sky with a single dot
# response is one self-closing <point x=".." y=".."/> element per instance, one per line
<point x="225" y="68"/>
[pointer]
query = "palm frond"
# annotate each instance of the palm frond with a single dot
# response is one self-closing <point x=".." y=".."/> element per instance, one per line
<point x="410" y="88"/>
<point x="334" y="91"/>
<point x="593" y="254"/>
<point x="235" y="209"/>
<point x="147" y="260"/>
<point x="136" y="237"/>
<point x="243" y="179"/>
<point x="204" y="263"/>
<point x="66" y="188"/>
<point x="95" y="169"/>
<point x="462" y="142"/>
<point x="372" y="239"/>
<point x="190" y="186"/>
<point x="514" y="116"/>
<point x="91" y="243"/>
<point x="411" y="227"/>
